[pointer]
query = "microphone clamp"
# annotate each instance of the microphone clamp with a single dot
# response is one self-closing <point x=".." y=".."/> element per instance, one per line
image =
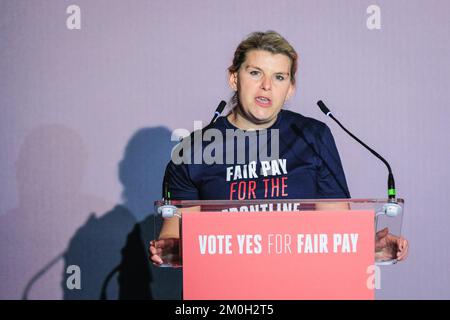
<point x="168" y="211"/>
<point x="390" y="209"/>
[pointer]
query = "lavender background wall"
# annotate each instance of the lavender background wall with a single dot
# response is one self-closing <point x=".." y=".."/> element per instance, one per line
<point x="82" y="112"/>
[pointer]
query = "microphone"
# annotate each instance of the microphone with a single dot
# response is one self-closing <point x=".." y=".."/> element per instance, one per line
<point x="167" y="210"/>
<point x="166" y="192"/>
<point x="391" y="182"/>
<point x="219" y="110"/>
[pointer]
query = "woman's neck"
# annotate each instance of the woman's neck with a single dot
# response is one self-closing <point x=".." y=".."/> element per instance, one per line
<point x="238" y="120"/>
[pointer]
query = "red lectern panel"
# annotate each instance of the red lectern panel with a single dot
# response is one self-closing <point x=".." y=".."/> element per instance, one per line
<point x="277" y="255"/>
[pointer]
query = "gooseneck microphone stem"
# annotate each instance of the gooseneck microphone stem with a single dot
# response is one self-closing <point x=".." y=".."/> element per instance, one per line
<point x="166" y="195"/>
<point x="166" y="192"/>
<point x="391" y="182"/>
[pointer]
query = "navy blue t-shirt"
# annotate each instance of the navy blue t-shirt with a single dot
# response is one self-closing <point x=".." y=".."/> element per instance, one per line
<point x="308" y="165"/>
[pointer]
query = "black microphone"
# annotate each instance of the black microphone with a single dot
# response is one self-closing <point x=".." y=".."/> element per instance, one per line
<point x="166" y="192"/>
<point x="391" y="182"/>
<point x="167" y="210"/>
<point x="218" y="112"/>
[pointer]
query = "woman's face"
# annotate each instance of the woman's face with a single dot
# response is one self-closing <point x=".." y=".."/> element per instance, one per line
<point x="263" y="84"/>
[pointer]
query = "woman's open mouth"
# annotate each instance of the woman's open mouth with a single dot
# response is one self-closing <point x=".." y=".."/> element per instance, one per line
<point x="263" y="102"/>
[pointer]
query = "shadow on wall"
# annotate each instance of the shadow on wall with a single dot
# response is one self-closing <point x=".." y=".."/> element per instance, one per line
<point x="49" y="172"/>
<point x="111" y="250"/>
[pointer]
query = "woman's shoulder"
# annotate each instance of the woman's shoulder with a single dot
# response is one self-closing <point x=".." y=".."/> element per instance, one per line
<point x="298" y="120"/>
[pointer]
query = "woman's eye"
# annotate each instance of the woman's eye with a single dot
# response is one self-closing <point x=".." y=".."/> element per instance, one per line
<point x="280" y="78"/>
<point x="254" y="73"/>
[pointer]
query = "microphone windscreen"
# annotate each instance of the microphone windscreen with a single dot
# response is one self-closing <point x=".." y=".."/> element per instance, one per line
<point x="323" y="107"/>
<point x="221" y="106"/>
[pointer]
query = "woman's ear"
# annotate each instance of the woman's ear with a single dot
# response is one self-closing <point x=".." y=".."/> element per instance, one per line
<point x="232" y="80"/>
<point x="291" y="91"/>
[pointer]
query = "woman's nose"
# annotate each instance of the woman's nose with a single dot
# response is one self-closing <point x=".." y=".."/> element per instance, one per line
<point x="266" y="84"/>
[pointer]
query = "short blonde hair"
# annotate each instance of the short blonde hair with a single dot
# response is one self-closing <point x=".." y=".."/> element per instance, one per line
<point x="269" y="41"/>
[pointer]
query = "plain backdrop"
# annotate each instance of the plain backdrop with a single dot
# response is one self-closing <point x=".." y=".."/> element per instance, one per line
<point x="86" y="118"/>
